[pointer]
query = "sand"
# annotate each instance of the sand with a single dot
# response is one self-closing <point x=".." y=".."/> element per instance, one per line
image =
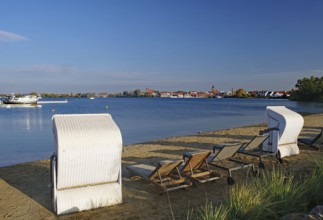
<point x="25" y="188"/>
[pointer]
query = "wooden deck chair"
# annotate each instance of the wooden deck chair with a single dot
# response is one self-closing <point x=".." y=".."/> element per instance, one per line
<point x="313" y="142"/>
<point x="86" y="165"/>
<point x="254" y="148"/>
<point x="223" y="158"/>
<point x="165" y="176"/>
<point x="196" y="167"/>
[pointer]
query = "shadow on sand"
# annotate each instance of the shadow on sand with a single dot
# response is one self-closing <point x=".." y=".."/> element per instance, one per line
<point x="32" y="179"/>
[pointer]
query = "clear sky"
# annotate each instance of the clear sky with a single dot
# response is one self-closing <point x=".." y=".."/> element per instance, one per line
<point x="65" y="46"/>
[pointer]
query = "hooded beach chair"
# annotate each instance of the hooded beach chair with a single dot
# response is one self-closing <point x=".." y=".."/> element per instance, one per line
<point x="165" y="176"/>
<point x="196" y="167"/>
<point x="284" y="127"/>
<point x="313" y="142"/>
<point x="222" y="158"/>
<point x="86" y="165"/>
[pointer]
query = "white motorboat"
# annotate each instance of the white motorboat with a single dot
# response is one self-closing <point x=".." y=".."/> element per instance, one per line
<point x="26" y="99"/>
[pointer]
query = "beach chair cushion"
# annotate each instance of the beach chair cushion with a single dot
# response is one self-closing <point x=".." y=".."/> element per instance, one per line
<point x="142" y="170"/>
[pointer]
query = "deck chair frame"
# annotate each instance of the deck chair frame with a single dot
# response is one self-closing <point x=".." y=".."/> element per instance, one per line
<point x="253" y="148"/>
<point x="312" y="142"/>
<point x="197" y="168"/>
<point x="165" y="176"/>
<point x="225" y="153"/>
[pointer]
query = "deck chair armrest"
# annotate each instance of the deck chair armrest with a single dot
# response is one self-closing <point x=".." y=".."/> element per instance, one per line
<point x="262" y="132"/>
<point x="187" y="155"/>
<point x="162" y="162"/>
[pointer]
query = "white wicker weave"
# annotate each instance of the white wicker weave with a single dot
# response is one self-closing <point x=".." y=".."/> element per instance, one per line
<point x="290" y="124"/>
<point x="87" y="173"/>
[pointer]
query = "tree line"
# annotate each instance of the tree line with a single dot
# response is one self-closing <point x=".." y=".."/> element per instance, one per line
<point x="308" y="89"/>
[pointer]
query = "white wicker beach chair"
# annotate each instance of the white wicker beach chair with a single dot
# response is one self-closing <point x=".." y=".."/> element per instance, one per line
<point x="86" y="165"/>
<point x="284" y="127"/>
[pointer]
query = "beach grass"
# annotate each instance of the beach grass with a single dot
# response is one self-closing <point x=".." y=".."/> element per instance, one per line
<point x="273" y="195"/>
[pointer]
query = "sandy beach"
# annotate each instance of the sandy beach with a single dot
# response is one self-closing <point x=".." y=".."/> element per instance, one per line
<point x="25" y="188"/>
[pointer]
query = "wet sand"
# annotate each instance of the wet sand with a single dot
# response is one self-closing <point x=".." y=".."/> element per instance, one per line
<point x="25" y="188"/>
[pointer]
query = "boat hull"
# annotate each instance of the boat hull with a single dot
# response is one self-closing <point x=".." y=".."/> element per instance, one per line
<point x="21" y="100"/>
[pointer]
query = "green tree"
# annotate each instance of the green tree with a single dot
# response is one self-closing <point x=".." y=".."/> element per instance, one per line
<point x="34" y="93"/>
<point x="241" y="93"/>
<point x="137" y="92"/>
<point x="308" y="89"/>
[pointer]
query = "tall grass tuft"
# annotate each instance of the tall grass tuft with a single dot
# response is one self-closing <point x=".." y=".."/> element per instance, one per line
<point x="284" y="193"/>
<point x="211" y="212"/>
<point x="246" y="202"/>
<point x="314" y="184"/>
<point x="272" y="196"/>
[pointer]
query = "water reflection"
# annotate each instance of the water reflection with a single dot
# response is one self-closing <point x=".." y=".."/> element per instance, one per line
<point x="23" y="135"/>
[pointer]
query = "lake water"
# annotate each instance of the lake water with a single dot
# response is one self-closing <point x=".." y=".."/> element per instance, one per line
<point x="26" y="133"/>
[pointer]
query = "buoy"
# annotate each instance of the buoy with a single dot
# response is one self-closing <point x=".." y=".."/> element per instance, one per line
<point x="106" y="106"/>
<point x="53" y="110"/>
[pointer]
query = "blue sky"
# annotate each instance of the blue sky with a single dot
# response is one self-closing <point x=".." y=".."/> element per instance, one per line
<point x="110" y="46"/>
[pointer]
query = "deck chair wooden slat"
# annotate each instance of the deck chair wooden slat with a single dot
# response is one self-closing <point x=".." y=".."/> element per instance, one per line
<point x="165" y="175"/>
<point x="165" y="168"/>
<point x="196" y="167"/>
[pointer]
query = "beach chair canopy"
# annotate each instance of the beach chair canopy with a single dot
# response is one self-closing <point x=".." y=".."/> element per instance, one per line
<point x="87" y="170"/>
<point x="289" y="125"/>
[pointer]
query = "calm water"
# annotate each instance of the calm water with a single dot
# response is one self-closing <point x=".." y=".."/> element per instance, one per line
<point x="26" y="133"/>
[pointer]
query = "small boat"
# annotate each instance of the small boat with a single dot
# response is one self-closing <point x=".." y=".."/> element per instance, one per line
<point x="26" y="99"/>
<point x="92" y="97"/>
